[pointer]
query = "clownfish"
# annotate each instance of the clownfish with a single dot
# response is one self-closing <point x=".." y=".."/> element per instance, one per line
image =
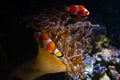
<point x="78" y="10"/>
<point x="48" y="44"/>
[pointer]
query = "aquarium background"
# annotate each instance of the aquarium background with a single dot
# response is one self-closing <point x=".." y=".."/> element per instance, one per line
<point x="17" y="44"/>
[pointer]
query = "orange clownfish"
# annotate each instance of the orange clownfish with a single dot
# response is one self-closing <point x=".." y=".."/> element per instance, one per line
<point x="78" y="10"/>
<point x="48" y="44"/>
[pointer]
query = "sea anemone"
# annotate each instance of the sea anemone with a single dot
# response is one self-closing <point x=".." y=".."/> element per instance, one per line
<point x="72" y="39"/>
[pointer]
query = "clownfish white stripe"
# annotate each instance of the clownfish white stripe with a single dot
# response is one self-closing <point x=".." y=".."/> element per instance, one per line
<point x="45" y="42"/>
<point x="85" y="10"/>
<point x="56" y="50"/>
<point x="77" y="8"/>
<point x="76" y="13"/>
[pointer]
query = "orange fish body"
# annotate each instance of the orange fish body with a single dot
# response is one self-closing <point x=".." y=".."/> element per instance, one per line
<point x="78" y="10"/>
<point x="48" y="44"/>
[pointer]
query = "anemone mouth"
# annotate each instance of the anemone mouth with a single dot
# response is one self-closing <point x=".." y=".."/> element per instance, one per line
<point x="70" y="39"/>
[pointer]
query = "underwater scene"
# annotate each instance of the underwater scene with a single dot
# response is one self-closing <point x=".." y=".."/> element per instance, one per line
<point x="60" y="40"/>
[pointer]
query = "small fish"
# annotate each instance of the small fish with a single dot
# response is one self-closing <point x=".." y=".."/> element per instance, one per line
<point x="48" y="44"/>
<point x="78" y="10"/>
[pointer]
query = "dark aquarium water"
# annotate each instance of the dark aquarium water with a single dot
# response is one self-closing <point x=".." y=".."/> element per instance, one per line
<point x="101" y="55"/>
